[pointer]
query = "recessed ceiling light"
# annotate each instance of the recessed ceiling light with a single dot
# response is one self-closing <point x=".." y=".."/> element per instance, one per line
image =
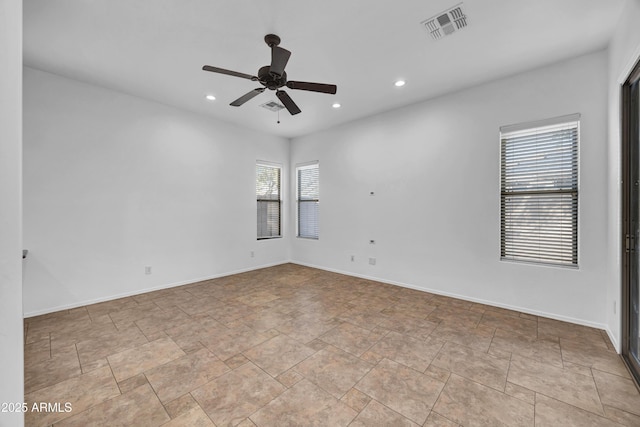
<point x="210" y="97"/>
<point x="399" y="83"/>
<point x="336" y="105"/>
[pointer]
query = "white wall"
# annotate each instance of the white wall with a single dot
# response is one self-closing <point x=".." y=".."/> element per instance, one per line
<point x="114" y="183"/>
<point x="434" y="168"/>
<point x="11" y="331"/>
<point x="624" y="52"/>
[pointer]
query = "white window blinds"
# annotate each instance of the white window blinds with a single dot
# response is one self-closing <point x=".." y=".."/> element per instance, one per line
<point x="539" y="192"/>
<point x="308" y="198"/>
<point x="268" y="183"/>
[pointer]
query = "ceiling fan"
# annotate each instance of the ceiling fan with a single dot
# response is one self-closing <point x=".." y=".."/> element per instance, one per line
<point x="274" y="77"/>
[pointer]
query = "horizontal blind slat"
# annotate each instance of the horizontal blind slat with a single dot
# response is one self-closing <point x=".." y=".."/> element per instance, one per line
<point x="308" y="196"/>
<point x="269" y="207"/>
<point x="539" y="194"/>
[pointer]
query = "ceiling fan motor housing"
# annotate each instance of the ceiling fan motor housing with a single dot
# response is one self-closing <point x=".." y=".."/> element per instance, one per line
<point x="270" y="80"/>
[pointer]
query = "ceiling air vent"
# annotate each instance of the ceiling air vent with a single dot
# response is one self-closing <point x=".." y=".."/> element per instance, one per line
<point x="446" y="23"/>
<point x="272" y="106"/>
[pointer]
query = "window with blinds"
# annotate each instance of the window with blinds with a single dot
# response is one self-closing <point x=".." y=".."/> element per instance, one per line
<point x="308" y="198"/>
<point x="539" y="191"/>
<point x="268" y="183"/>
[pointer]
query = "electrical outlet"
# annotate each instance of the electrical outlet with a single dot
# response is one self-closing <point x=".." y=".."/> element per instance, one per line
<point x="147" y="270"/>
<point x="353" y="258"/>
<point x="253" y="254"/>
<point x="372" y="261"/>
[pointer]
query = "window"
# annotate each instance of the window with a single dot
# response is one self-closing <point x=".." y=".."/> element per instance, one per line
<point x="539" y="191"/>
<point x="268" y="183"/>
<point x="308" y="184"/>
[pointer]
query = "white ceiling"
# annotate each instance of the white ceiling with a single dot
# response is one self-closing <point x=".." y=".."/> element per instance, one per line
<point x="155" y="49"/>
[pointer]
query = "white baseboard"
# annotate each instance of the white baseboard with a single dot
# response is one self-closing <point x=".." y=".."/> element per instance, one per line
<point x="614" y="340"/>
<point x="466" y="298"/>
<point x="143" y="291"/>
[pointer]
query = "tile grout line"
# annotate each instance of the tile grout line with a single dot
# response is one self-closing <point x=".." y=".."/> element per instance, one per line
<point x="595" y="383"/>
<point x="201" y="408"/>
<point x="582" y="409"/>
<point x="75" y="345"/>
<point x="154" y="392"/>
<point x="439" y="414"/>
<point x="440" y="394"/>
<point x="506" y="380"/>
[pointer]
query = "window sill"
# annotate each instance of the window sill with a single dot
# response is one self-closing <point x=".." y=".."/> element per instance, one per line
<point x="541" y="264"/>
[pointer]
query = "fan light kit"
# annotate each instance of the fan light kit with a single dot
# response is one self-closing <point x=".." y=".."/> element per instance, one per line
<point x="399" y="83"/>
<point x="336" y="105"/>
<point x="210" y="97"/>
<point x="273" y="77"/>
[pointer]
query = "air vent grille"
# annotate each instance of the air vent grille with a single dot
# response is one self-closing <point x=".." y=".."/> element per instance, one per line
<point x="446" y="23"/>
<point x="272" y="106"/>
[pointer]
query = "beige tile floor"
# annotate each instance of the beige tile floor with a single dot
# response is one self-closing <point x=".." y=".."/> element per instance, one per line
<point x="295" y="346"/>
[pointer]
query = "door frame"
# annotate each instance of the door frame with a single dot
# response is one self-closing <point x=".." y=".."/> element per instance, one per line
<point x="629" y="246"/>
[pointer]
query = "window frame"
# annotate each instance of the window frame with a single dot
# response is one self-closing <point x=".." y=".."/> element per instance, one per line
<point x="300" y="167"/>
<point x="545" y="256"/>
<point x="279" y="201"/>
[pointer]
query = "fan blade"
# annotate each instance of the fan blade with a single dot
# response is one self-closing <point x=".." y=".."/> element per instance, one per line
<point x="288" y="102"/>
<point x="313" y="87"/>
<point x="228" y="72"/>
<point x="247" y="96"/>
<point x="279" y="59"/>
